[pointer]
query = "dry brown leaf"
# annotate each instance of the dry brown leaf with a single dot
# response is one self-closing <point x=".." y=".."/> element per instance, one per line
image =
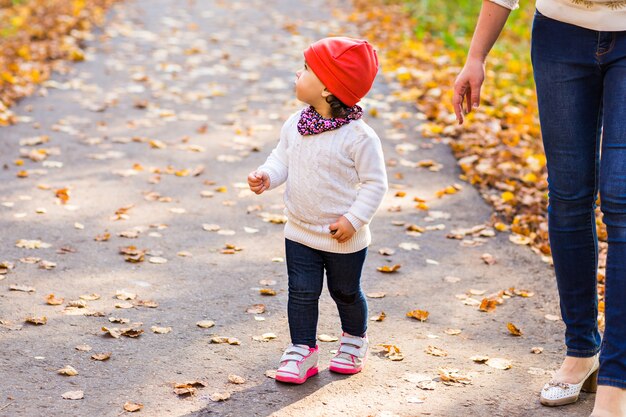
<point x="47" y="265"/>
<point x="480" y="358"/>
<point x="236" y="379"/>
<point x="37" y="320"/>
<point x="256" y="309"/>
<point x="420" y="315"/>
<point x="393" y="352"/>
<point x="116" y="332"/>
<point x="376" y="294"/>
<point x="157" y="260"/>
<point x="160" y="330"/>
<point x="53" y="301"/>
<point x="119" y="320"/>
<point x="453" y="376"/>
<point x="452" y="332"/>
<point x="132" y="254"/>
<point x="513" y="329"/>
<point x="102" y="237"/>
<point x="125" y="295"/>
<point x="435" y="351"/>
<point x="132" y="407"/>
<point x="73" y="395"/>
<point x="205" y="324"/>
<point x="265" y="337"/>
<point x="101" y="356"/>
<point x="386" y="251"/>
<point x="83" y="348"/>
<point x="77" y="303"/>
<point x="146" y="303"/>
<point x="327" y="338"/>
<point x="188" y="388"/>
<point x="488" y="258"/>
<point x="68" y="371"/>
<point x="229" y="340"/>
<point x="488" y="305"/>
<point x="536" y="350"/>
<point x="267" y="291"/>
<point x="220" y="396"/>
<point x="90" y="297"/>
<point x="389" y="269"/>
<point x="32" y="244"/>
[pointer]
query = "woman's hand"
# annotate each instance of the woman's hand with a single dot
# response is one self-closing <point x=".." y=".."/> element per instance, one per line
<point x="342" y="230"/>
<point x="467" y="87"/>
<point x="258" y="181"/>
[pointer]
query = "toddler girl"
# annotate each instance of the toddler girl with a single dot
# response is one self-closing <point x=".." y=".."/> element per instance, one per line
<point x="333" y="165"/>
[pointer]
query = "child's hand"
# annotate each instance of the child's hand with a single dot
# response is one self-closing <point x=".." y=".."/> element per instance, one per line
<point x="342" y="230"/>
<point x="258" y="181"/>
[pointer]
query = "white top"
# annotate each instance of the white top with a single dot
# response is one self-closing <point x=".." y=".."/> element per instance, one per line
<point x="600" y="15"/>
<point x="336" y="173"/>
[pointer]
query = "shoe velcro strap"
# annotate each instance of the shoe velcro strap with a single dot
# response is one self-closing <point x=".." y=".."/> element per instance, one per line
<point x="352" y="340"/>
<point x="349" y="349"/>
<point x="295" y="353"/>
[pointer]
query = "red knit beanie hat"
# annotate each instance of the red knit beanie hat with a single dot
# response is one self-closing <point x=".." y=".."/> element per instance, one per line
<point x="346" y="66"/>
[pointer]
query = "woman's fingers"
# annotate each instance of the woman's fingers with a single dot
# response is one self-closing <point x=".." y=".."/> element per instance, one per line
<point x="475" y="93"/>
<point x="457" y="100"/>
<point x="468" y="100"/>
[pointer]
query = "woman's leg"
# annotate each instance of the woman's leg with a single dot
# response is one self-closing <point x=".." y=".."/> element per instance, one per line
<point x="613" y="203"/>
<point x="305" y="268"/>
<point x="569" y="92"/>
<point x="344" y="284"/>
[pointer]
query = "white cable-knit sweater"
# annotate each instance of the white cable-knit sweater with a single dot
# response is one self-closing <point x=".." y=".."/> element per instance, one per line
<point x="600" y="15"/>
<point x="336" y="173"/>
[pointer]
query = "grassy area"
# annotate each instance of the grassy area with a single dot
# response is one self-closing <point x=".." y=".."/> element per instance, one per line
<point x="453" y="23"/>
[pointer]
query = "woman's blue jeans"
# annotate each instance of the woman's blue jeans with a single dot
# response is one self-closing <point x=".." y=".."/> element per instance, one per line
<point x="581" y="89"/>
<point x="305" y="267"/>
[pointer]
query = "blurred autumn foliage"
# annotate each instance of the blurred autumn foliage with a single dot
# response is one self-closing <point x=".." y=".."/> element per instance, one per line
<point x="35" y="35"/>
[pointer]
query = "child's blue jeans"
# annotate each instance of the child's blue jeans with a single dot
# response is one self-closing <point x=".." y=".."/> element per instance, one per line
<point x="581" y="89"/>
<point x="305" y="267"/>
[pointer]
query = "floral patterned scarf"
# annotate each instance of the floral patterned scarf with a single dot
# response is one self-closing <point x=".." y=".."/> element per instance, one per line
<point x="312" y="123"/>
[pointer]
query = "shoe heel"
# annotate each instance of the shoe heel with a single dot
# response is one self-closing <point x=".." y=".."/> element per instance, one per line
<point x="591" y="384"/>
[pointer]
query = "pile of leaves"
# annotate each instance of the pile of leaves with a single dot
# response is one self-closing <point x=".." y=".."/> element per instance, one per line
<point x="35" y="37"/>
<point x="423" y="46"/>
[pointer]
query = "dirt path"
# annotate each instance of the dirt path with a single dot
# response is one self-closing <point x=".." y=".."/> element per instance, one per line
<point x="171" y="87"/>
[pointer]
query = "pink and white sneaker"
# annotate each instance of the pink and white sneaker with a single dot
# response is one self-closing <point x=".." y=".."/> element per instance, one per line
<point x="351" y="356"/>
<point x="298" y="363"/>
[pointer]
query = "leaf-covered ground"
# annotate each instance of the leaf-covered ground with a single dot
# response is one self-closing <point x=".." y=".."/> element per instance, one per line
<point x="139" y="275"/>
<point x="38" y="37"/>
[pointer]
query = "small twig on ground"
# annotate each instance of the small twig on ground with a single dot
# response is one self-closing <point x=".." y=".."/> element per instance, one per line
<point x="6" y="405"/>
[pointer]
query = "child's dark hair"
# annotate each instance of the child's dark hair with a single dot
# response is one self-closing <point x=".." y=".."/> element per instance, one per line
<point x="338" y="110"/>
